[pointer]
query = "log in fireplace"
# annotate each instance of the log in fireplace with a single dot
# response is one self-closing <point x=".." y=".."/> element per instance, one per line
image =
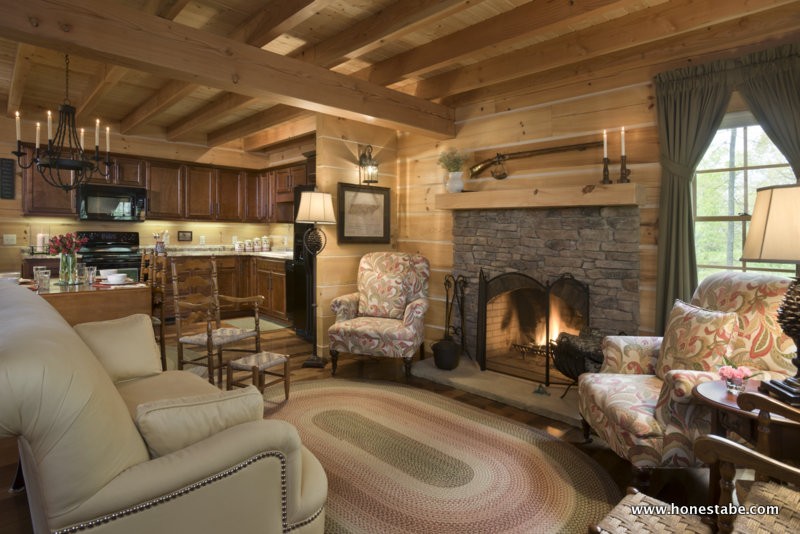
<point x="521" y="318"/>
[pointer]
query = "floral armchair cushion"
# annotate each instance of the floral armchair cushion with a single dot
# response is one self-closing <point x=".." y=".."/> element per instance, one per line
<point x="696" y="339"/>
<point x="383" y="281"/>
<point x="755" y="298"/>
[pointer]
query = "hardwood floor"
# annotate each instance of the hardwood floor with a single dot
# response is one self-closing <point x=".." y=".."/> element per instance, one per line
<point x="684" y="486"/>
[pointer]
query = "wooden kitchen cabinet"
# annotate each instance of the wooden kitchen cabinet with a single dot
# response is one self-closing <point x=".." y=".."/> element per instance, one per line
<point x="200" y="193"/>
<point x="125" y="171"/>
<point x="269" y="279"/>
<point x="165" y="190"/>
<point x="256" y="196"/>
<point x="129" y="172"/>
<point x="282" y="182"/>
<point x="229" y="185"/>
<point x="213" y="194"/>
<point x="41" y="198"/>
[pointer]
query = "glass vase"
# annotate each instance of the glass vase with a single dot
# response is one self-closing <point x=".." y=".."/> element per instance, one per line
<point x="735" y="385"/>
<point x="68" y="268"/>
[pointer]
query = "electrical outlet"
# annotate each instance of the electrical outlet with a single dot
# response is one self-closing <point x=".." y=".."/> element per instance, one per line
<point x="9" y="239"/>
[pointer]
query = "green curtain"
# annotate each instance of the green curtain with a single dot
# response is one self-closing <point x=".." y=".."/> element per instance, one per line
<point x="690" y="105"/>
<point x="771" y="87"/>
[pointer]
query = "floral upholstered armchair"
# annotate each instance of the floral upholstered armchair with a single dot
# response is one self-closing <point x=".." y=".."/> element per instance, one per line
<point x="641" y="401"/>
<point x="385" y="316"/>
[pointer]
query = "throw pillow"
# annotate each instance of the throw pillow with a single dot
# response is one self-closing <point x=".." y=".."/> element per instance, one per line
<point x="171" y="424"/>
<point x="695" y="339"/>
<point x="126" y="347"/>
<point x="382" y="285"/>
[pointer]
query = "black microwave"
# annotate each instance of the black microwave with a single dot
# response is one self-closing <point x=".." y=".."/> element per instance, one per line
<point x="111" y="203"/>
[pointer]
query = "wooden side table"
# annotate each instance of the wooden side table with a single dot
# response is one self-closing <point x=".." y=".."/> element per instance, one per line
<point x="727" y="416"/>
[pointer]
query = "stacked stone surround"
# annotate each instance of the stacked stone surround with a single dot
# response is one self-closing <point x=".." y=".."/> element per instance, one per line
<point x="598" y="246"/>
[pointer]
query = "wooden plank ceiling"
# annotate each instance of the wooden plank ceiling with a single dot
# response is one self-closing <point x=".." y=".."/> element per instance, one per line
<point x="251" y="73"/>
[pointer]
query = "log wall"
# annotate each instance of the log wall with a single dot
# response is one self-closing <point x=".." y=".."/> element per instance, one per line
<point x="484" y="130"/>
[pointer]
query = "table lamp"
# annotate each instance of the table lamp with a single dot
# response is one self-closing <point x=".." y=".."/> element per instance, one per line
<point x="774" y="237"/>
<point x="315" y="208"/>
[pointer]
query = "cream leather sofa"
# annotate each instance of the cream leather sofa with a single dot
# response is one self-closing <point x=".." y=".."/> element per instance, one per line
<point x="104" y="450"/>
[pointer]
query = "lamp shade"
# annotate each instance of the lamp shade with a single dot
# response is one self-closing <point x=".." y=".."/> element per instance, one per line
<point x="774" y="234"/>
<point x="315" y="208"/>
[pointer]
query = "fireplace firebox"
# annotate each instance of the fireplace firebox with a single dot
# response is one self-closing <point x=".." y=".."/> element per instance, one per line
<point x="520" y="319"/>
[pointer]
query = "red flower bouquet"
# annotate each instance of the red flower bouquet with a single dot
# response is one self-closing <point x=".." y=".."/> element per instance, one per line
<point x="66" y="244"/>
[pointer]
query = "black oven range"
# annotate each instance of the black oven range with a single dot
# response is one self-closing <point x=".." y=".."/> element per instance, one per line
<point x="112" y="250"/>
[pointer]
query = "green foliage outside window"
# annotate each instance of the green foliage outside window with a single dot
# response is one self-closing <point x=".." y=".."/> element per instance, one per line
<point x="739" y="161"/>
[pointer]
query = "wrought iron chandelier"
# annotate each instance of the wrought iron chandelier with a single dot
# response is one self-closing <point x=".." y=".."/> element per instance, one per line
<point x="63" y="162"/>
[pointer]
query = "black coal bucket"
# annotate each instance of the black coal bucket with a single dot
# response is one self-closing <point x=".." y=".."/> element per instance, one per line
<point x="446" y="354"/>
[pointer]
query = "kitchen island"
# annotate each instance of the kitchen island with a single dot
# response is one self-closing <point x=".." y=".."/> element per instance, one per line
<point x="84" y="303"/>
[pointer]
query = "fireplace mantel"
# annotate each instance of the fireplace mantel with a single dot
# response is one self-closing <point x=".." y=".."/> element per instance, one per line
<point x="544" y="197"/>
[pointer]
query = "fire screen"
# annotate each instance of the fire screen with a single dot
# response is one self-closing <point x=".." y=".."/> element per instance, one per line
<point x="520" y="319"/>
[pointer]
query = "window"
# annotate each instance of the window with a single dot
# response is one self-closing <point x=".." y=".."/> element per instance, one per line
<point x="740" y="160"/>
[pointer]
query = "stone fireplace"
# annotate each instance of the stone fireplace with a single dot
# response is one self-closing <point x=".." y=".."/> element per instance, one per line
<point x="597" y="246"/>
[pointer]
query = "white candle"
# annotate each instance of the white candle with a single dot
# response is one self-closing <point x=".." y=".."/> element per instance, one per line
<point x="49" y="126"/>
<point x="38" y="133"/>
<point x="97" y="134"/>
<point x="622" y="140"/>
<point x="108" y="139"/>
<point x="82" y="143"/>
<point x="605" y="145"/>
<point x="16" y="119"/>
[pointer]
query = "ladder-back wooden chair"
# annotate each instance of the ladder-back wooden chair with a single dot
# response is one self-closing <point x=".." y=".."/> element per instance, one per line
<point x="197" y="316"/>
<point x="153" y="272"/>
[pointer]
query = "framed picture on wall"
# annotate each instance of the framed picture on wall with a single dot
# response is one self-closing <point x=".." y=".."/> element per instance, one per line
<point x="363" y="214"/>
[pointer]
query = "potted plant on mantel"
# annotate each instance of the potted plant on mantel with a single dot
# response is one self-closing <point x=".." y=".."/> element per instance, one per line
<point x="453" y="161"/>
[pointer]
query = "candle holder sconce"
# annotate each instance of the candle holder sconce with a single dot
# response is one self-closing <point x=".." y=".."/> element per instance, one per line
<point x="624" y="171"/>
<point x="606" y="179"/>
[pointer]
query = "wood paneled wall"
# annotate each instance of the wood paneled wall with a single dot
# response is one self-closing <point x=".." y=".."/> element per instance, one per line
<point x="339" y="143"/>
<point x="484" y="131"/>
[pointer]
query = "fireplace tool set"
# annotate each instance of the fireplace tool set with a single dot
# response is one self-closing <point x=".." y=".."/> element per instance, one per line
<point x="446" y="352"/>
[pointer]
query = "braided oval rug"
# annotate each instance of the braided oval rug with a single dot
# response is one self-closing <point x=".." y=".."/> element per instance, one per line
<point x="403" y="460"/>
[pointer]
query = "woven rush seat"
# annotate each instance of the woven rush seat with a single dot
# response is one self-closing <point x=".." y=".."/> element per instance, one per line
<point x="219" y="336"/>
<point x="621" y="520"/>
<point x="259" y="366"/>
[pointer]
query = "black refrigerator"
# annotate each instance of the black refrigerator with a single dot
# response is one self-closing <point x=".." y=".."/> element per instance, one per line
<point x="298" y="275"/>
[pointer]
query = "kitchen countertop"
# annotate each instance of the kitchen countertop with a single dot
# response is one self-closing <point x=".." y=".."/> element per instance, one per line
<point x="202" y="250"/>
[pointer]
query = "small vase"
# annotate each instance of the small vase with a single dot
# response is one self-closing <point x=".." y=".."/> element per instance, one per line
<point x="454" y="182"/>
<point x="735" y="385"/>
<point x="68" y="268"/>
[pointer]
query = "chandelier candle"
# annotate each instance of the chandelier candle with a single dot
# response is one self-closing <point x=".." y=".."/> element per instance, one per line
<point x="63" y="163"/>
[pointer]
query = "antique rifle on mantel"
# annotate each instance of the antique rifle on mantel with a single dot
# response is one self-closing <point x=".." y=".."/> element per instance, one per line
<point x="475" y="170"/>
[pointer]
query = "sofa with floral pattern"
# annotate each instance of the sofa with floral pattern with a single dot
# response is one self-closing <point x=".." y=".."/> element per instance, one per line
<point x="385" y="316"/>
<point x="641" y="401"/>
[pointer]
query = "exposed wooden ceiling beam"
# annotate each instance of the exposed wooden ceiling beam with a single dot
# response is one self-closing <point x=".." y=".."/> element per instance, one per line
<point x="633" y="65"/>
<point x="281" y="133"/>
<point x="22" y="66"/>
<point x="637" y="29"/>
<point x="268" y="23"/>
<point x="265" y="119"/>
<point x="221" y="105"/>
<point x="107" y="77"/>
<point x="110" y="75"/>
<point x="151" y="44"/>
<point x="167" y="96"/>
<point x="168" y="9"/>
<point x="399" y="18"/>
<point x="529" y="19"/>
<point x="275" y="18"/>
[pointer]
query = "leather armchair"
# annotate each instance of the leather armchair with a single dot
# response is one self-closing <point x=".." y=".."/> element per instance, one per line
<point x="385" y="317"/>
<point x="652" y="420"/>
